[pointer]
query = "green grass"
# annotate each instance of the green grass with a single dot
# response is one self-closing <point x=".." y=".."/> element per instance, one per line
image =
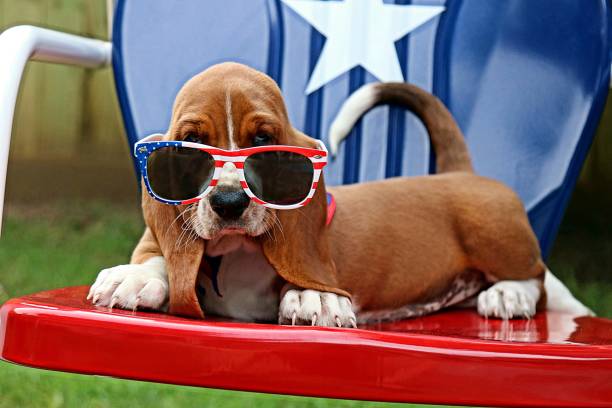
<point x="582" y="255"/>
<point x="61" y="245"/>
<point x="27" y="387"/>
<point x="44" y="248"/>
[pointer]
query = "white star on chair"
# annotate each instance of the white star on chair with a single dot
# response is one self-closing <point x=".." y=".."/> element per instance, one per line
<point x="360" y="32"/>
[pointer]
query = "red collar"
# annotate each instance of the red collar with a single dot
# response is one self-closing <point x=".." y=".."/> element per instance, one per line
<point x="331" y="208"/>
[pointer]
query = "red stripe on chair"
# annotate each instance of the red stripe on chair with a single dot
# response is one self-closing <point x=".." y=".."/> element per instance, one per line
<point x="453" y="357"/>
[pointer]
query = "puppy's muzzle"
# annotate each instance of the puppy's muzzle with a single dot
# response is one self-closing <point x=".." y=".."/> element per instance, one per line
<point x="229" y="204"/>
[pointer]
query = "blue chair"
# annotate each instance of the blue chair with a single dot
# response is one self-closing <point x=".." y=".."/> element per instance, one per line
<point x="526" y="81"/>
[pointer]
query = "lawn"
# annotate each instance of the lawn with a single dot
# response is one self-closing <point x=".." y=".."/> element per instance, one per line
<point x="60" y="245"/>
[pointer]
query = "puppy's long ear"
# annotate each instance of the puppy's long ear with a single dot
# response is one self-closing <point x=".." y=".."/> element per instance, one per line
<point x="182" y="260"/>
<point x="299" y="248"/>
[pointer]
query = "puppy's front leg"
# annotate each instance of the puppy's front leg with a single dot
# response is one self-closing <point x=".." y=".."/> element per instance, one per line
<point x="140" y="284"/>
<point x="311" y="307"/>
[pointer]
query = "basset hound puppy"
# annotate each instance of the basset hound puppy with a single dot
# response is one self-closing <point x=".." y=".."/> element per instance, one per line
<point x="236" y="220"/>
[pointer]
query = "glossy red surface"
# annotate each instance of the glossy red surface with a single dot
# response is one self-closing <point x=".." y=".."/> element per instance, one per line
<point x="455" y="357"/>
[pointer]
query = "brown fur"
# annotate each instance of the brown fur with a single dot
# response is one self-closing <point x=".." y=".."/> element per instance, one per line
<point x="391" y="243"/>
<point x="448" y="143"/>
<point x="164" y="227"/>
<point x="443" y="226"/>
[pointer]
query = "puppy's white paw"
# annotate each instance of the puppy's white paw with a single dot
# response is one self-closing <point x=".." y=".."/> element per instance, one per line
<point x="311" y="307"/>
<point x="133" y="286"/>
<point x="510" y="299"/>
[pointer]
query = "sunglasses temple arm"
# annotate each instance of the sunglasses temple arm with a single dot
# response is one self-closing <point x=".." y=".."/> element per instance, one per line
<point x="323" y="147"/>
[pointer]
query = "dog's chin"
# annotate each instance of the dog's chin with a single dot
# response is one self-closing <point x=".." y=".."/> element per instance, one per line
<point x="233" y="230"/>
<point x="229" y="239"/>
<point x="224" y="229"/>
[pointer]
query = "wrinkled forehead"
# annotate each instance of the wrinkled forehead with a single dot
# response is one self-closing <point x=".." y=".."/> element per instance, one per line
<point x="244" y="88"/>
<point x="215" y="90"/>
<point x="223" y="99"/>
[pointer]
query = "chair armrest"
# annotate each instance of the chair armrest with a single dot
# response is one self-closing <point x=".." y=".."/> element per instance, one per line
<point x="22" y="43"/>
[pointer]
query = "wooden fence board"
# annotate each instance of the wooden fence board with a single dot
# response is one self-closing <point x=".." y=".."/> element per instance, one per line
<point x="64" y="111"/>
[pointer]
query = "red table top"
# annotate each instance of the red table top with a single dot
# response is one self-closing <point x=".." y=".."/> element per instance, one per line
<point x="454" y="357"/>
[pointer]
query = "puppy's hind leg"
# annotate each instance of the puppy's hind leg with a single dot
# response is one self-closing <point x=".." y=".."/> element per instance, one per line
<point x="560" y="299"/>
<point x="509" y="299"/>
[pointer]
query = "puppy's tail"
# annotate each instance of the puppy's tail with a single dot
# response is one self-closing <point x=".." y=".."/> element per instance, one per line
<point x="446" y="137"/>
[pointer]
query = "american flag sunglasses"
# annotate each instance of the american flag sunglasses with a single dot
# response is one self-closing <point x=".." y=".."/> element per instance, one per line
<point x="277" y="176"/>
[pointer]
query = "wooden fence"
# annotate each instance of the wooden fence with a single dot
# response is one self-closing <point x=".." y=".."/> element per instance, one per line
<point x="68" y="137"/>
<point x="64" y="111"/>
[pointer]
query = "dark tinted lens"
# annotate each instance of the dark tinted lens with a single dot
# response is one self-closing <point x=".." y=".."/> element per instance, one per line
<point x="282" y="178"/>
<point x="179" y="173"/>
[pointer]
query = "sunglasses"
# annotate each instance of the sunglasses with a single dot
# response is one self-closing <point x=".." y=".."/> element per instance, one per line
<point x="278" y="176"/>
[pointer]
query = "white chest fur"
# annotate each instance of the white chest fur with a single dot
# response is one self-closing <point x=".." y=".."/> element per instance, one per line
<point x="246" y="281"/>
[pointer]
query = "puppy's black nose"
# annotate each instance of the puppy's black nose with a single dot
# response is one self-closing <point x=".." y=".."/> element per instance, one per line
<point x="229" y="204"/>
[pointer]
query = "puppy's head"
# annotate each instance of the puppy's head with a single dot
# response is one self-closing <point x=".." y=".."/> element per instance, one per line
<point x="231" y="106"/>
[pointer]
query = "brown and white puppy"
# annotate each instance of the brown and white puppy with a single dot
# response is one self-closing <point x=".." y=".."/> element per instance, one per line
<point x="396" y="248"/>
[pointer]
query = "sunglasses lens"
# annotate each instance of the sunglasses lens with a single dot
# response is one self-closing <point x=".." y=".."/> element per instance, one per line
<point x="179" y="173"/>
<point x="278" y="177"/>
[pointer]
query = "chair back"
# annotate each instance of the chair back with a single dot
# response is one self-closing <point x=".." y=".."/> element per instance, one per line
<point x="526" y="81"/>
